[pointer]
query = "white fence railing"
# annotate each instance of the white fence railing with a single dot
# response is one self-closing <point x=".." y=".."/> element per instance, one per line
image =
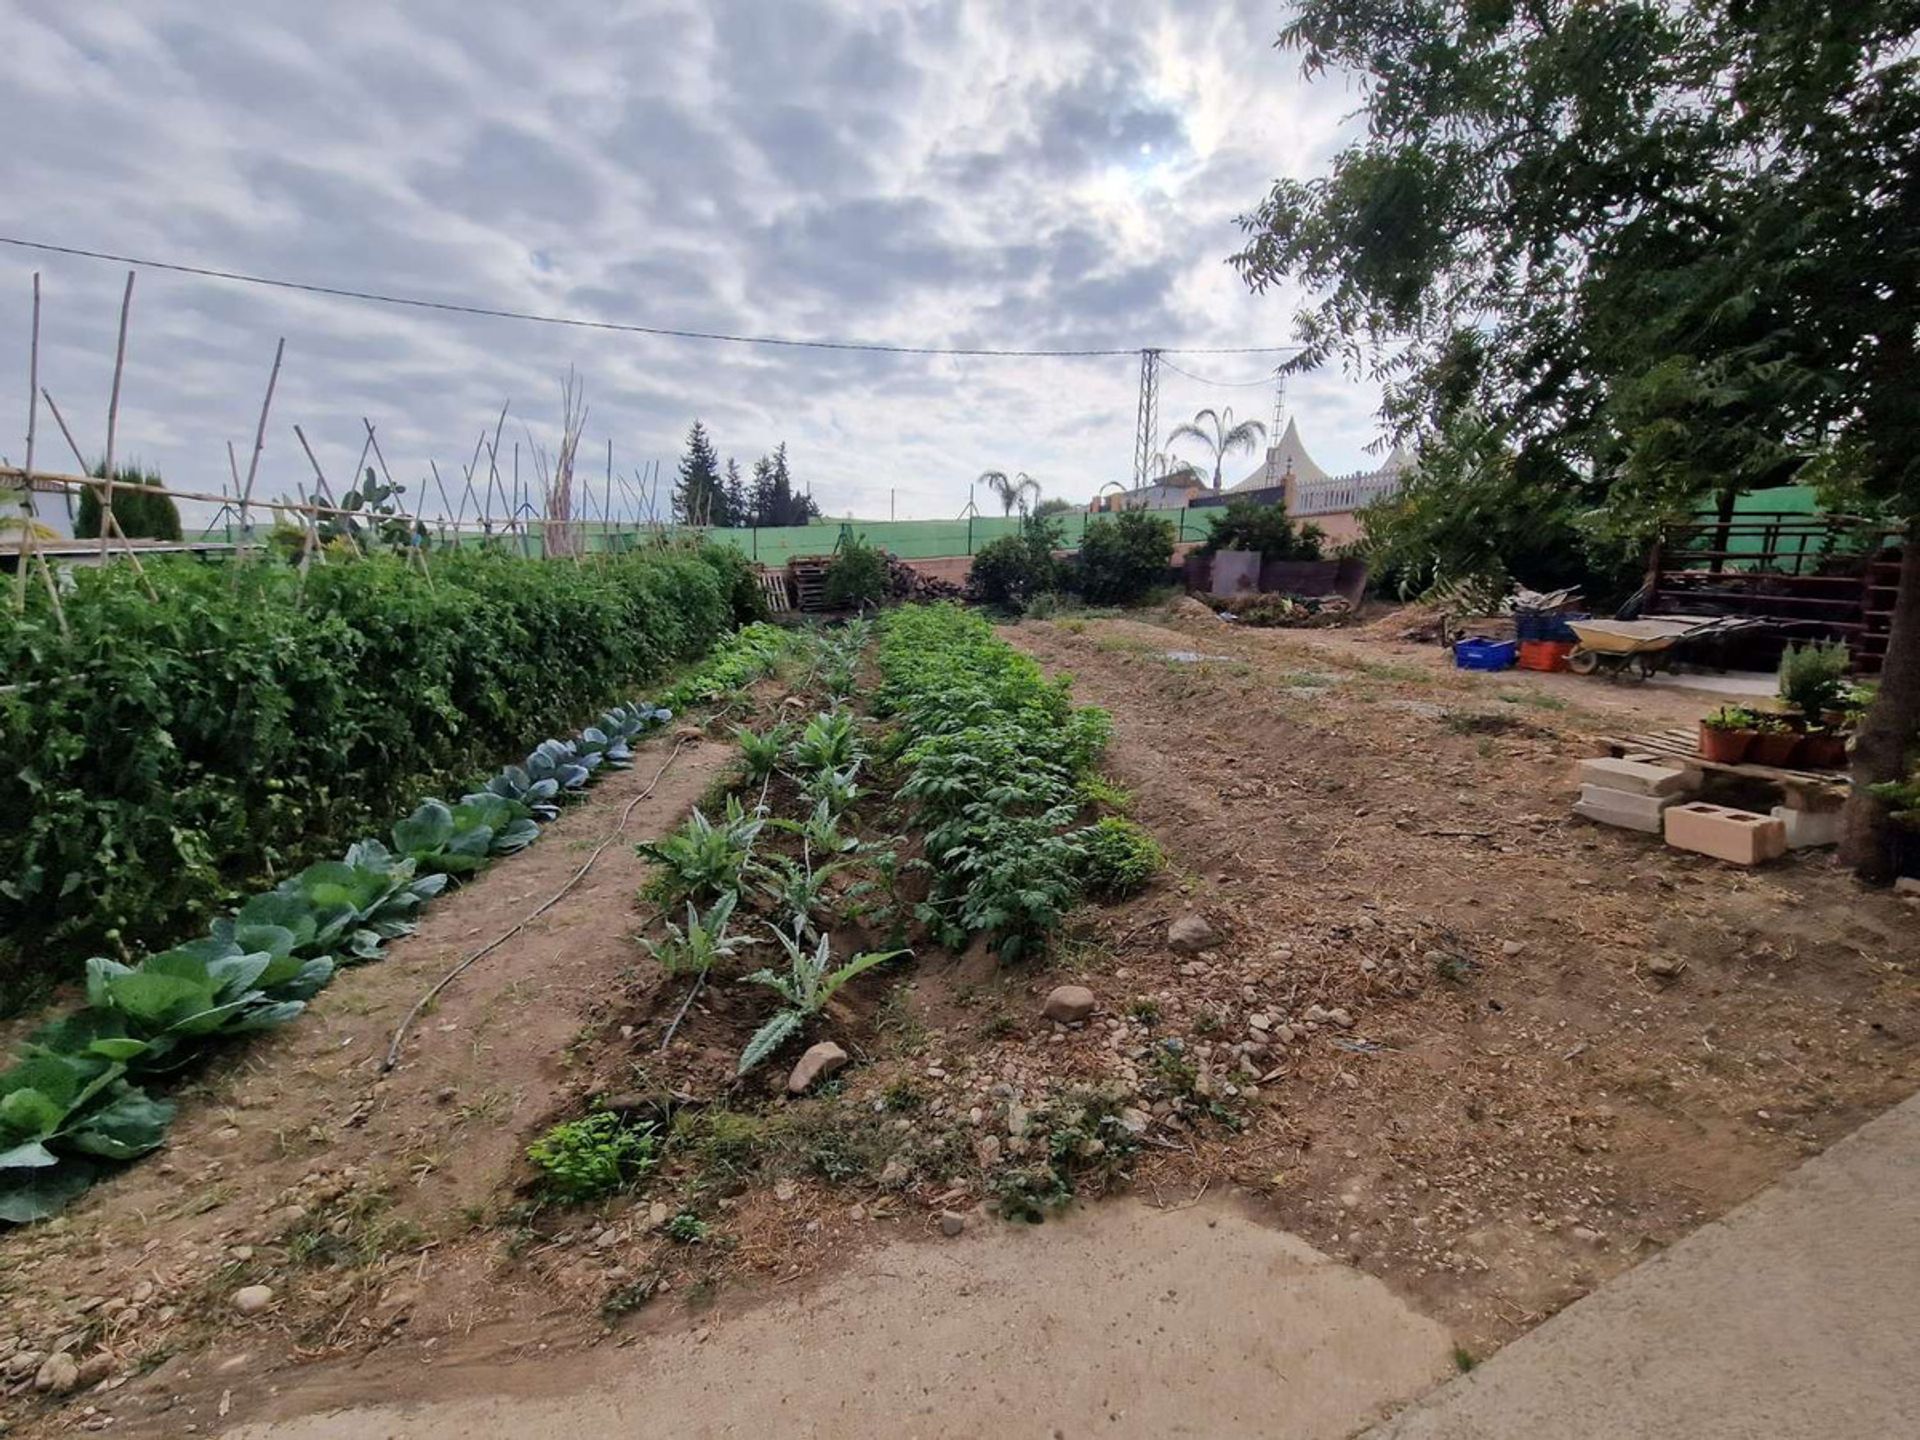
<point x="1342" y="493"/>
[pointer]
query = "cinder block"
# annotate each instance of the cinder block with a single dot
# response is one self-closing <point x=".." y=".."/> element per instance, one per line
<point x="1635" y="777"/>
<point x="1736" y="835"/>
<point x="1623" y="808"/>
<point x="1808" y="828"/>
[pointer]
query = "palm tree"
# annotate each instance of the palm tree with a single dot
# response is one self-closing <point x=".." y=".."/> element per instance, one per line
<point x="1012" y="490"/>
<point x="1220" y="435"/>
<point x="1163" y="466"/>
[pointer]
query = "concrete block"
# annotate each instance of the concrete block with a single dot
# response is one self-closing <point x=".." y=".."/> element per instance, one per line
<point x="1808" y="828"/>
<point x="1623" y="808"/>
<point x="1739" y="836"/>
<point x="1636" y="777"/>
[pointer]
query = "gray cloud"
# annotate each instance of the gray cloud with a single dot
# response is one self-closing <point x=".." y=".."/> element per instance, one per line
<point x="1025" y="174"/>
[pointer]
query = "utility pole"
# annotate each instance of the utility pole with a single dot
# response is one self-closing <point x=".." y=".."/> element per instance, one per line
<point x="1147" y="421"/>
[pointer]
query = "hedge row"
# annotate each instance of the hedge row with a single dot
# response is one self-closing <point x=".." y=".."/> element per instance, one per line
<point x="173" y="754"/>
<point x="75" y="1103"/>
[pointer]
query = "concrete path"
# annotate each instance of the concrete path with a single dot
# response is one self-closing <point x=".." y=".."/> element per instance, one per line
<point x="1797" y="1317"/>
<point x="1117" y="1321"/>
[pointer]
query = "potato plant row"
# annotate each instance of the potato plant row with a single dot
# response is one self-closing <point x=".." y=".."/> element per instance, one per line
<point x="1000" y="774"/>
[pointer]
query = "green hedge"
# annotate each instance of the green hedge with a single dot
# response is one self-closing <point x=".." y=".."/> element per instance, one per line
<point x="173" y="755"/>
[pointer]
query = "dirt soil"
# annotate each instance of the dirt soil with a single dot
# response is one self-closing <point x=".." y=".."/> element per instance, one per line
<point x="1570" y="1044"/>
<point x="1488" y="1054"/>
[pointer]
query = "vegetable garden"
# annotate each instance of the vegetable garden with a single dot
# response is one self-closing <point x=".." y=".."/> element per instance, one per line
<point x="372" y="682"/>
<point x="170" y="754"/>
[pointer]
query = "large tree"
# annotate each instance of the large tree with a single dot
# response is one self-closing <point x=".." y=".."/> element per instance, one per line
<point x="771" y="498"/>
<point x="739" y="506"/>
<point x="1675" y="246"/>
<point x="700" y="495"/>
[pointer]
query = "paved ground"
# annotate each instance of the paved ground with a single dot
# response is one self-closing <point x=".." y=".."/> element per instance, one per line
<point x="1121" y="1320"/>
<point x="1798" y="1315"/>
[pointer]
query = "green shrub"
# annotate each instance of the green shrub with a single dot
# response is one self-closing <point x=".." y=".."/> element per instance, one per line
<point x="1814" y="677"/>
<point x="1120" y="857"/>
<point x="857" y="576"/>
<point x="1010" y="571"/>
<point x="138" y="515"/>
<point x="174" y="754"/>
<point x="1123" y="556"/>
<point x="1249" y="525"/>
<point x="587" y="1158"/>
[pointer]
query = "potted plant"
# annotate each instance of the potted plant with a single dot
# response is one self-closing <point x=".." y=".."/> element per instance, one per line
<point x="1853" y="705"/>
<point x="1813" y="677"/>
<point x="1902" y="799"/>
<point x="1726" y="733"/>
<point x="1822" y="747"/>
<point x="1773" y="742"/>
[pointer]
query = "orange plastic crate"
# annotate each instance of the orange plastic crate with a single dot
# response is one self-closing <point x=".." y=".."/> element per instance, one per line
<point x="1544" y="654"/>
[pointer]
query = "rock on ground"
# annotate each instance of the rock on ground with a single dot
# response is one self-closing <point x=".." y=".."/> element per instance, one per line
<point x="252" y="1299"/>
<point x="1069" y="1004"/>
<point x="59" y="1374"/>
<point x="819" y="1062"/>
<point x="1189" y="933"/>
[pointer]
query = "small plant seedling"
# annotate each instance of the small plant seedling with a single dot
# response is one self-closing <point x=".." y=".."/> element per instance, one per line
<point x="593" y="1156"/>
<point x="702" y="861"/>
<point x="806" y="986"/>
<point x="687" y="1228"/>
<point x="761" y="752"/>
<point x="703" y="943"/>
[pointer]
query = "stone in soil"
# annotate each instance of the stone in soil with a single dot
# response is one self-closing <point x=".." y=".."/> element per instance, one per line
<point x="819" y="1062"/>
<point x="59" y="1374"/>
<point x="1069" y="1004"/>
<point x="252" y="1299"/>
<point x="952" y="1222"/>
<point x="1190" y="934"/>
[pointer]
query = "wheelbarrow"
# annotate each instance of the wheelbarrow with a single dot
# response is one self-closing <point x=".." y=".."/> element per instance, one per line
<point x="1637" y="649"/>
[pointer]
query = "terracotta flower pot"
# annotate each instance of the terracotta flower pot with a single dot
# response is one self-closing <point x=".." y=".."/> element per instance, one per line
<point x="1772" y="747"/>
<point x="1726" y="747"/>
<point x="1824" y="751"/>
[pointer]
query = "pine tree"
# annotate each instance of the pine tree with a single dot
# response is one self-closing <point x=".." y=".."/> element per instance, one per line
<point x="760" y="494"/>
<point x="738" y="509"/>
<point x="699" y="497"/>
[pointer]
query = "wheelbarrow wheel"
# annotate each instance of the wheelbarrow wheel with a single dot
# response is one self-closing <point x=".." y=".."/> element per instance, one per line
<point x="1583" y="662"/>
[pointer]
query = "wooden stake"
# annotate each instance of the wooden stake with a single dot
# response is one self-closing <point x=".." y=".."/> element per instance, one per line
<point x="260" y="440"/>
<point x="414" y="550"/>
<point x="446" y="505"/>
<point x="33" y="413"/>
<point x="113" y="416"/>
<point x="320" y="478"/>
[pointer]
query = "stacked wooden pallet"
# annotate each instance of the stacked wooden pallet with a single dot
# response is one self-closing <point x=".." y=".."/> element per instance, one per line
<point x="809" y="576"/>
<point x="773" y="584"/>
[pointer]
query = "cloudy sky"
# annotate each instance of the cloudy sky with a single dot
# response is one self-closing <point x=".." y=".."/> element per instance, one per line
<point x="1008" y="173"/>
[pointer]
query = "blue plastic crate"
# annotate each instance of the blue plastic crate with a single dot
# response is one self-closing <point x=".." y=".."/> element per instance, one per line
<point x="1551" y="626"/>
<point x="1477" y="652"/>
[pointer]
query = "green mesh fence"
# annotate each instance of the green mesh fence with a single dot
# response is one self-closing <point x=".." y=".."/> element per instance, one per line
<point x="908" y="539"/>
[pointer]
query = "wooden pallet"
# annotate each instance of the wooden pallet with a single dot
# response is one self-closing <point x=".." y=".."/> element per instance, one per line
<point x="1684" y="745"/>
<point x="773" y="584"/>
<point x="809" y="575"/>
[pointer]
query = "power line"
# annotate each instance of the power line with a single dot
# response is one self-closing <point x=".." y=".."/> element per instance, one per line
<point x="1266" y="379"/>
<point x="582" y="323"/>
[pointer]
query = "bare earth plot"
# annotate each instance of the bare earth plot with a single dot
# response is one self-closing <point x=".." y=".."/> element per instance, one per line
<point x="1420" y="1088"/>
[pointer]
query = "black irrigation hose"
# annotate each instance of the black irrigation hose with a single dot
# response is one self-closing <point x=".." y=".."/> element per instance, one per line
<point x="400" y="1033"/>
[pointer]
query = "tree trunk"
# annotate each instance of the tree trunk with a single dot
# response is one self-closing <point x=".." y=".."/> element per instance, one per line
<point x="1888" y="730"/>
